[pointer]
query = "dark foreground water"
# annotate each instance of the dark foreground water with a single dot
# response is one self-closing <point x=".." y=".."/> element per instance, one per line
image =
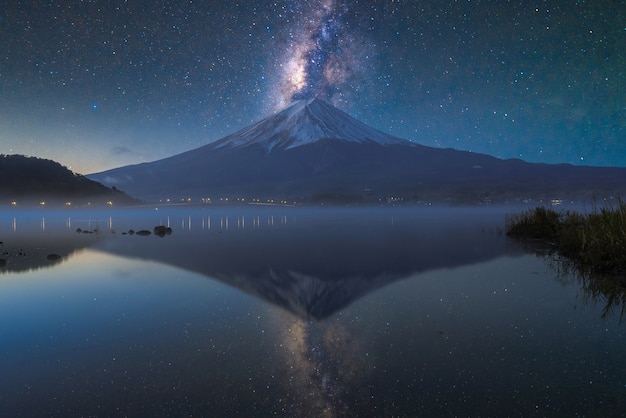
<point x="292" y="312"/>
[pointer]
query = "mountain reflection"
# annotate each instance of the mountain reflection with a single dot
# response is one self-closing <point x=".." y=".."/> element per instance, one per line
<point x="311" y="263"/>
<point x="315" y="263"/>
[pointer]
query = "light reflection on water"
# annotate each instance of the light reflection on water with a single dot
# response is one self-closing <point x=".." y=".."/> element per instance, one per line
<point x="298" y="313"/>
<point x="104" y="221"/>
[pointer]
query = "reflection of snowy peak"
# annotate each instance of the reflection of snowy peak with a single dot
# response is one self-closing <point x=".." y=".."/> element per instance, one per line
<point x="308" y="297"/>
<point x="305" y="122"/>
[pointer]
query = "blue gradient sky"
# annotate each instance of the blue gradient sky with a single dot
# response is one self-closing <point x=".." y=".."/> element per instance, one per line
<point x="100" y="84"/>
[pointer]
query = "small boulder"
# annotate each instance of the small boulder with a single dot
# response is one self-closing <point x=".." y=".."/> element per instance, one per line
<point x="143" y="232"/>
<point x="162" y="231"/>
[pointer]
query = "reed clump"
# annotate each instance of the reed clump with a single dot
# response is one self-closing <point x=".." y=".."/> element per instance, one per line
<point x="597" y="241"/>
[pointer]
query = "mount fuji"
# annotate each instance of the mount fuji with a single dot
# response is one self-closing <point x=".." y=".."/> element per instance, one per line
<point x="312" y="151"/>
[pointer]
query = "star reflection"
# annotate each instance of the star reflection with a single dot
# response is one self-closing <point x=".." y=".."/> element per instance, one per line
<point x="325" y="364"/>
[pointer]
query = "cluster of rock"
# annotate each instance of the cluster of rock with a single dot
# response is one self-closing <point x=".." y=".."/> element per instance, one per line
<point x="158" y="230"/>
<point x="88" y="231"/>
<point x="12" y="255"/>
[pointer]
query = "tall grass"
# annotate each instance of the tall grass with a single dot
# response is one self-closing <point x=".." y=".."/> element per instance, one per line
<point x="591" y="246"/>
<point x="596" y="240"/>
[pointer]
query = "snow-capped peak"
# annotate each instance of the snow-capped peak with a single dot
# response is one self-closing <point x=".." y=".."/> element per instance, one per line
<point x="304" y="122"/>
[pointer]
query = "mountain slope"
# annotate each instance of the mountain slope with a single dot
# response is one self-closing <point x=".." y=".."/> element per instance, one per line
<point x="312" y="149"/>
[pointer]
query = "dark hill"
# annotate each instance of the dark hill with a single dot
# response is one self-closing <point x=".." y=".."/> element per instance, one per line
<point x="28" y="180"/>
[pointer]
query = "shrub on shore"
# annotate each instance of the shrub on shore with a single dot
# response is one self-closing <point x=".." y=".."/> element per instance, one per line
<point x="596" y="240"/>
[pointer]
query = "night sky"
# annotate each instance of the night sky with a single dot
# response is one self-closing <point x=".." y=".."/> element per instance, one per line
<point x="101" y="84"/>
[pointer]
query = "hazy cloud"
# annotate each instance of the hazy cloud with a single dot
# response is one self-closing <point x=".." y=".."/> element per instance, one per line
<point x="120" y="150"/>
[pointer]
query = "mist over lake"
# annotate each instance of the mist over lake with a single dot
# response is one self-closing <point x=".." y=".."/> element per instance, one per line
<point x="258" y="311"/>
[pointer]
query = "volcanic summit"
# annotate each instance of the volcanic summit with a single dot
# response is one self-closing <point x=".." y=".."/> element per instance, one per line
<point x="312" y="151"/>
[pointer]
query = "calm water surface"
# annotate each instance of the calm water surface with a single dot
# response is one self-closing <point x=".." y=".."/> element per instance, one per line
<point x="292" y="312"/>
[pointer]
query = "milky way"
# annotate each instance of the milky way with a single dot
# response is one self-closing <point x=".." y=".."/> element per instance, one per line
<point x="321" y="54"/>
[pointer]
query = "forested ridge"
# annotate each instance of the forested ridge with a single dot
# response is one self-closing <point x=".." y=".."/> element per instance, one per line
<point x="22" y="176"/>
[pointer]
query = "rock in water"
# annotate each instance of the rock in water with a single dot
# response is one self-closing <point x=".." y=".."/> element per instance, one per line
<point x="162" y="230"/>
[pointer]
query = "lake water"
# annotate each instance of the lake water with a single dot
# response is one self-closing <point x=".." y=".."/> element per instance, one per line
<point x="293" y="312"/>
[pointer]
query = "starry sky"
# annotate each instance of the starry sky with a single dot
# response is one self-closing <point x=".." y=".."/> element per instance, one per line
<point x="98" y="84"/>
